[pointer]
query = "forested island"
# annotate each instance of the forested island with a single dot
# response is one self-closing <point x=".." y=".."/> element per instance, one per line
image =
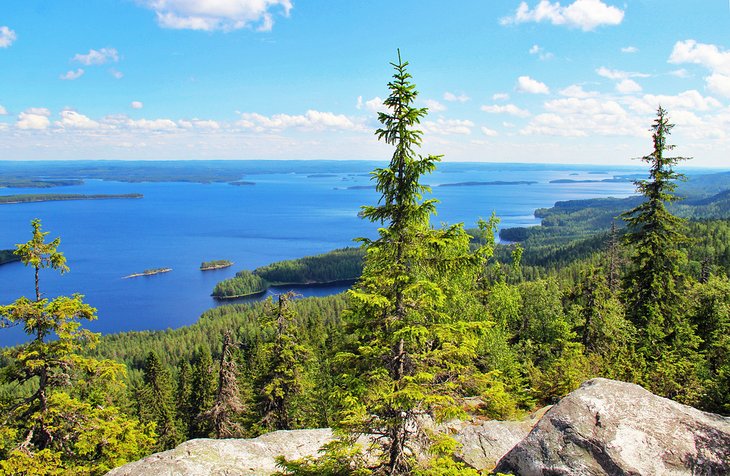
<point x="26" y="182"/>
<point x="337" y="266"/>
<point x="216" y="264"/>
<point x="56" y="197"/>
<point x="8" y="256"/>
<point x="149" y="272"/>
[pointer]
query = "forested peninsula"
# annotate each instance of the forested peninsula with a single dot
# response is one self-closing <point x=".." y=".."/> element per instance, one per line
<point x="56" y="197"/>
<point x="337" y="266"/>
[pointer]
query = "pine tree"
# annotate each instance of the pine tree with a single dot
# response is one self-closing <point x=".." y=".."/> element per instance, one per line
<point x="183" y="395"/>
<point x="652" y="286"/>
<point x="156" y="402"/>
<point x="283" y="381"/>
<point x="70" y="423"/>
<point x="227" y="408"/>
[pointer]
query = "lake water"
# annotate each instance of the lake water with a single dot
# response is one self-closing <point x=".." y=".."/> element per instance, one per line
<point x="298" y="209"/>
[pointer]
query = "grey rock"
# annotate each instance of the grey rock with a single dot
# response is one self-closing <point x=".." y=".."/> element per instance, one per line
<point x="234" y="457"/>
<point x="614" y="428"/>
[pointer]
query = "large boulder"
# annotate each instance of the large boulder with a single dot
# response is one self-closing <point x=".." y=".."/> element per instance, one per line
<point x="614" y="428"/>
<point x="234" y="457"/>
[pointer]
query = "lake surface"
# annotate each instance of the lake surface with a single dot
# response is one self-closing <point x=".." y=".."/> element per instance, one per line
<point x="294" y="210"/>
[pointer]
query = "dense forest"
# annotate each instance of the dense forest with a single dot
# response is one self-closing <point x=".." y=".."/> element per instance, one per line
<point x="437" y="315"/>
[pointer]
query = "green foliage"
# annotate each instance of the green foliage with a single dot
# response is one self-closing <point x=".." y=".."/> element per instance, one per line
<point x="202" y="395"/>
<point x="338" y="265"/>
<point x="225" y="413"/>
<point x="69" y="423"/>
<point x="245" y="283"/>
<point x="155" y="399"/>
<point x="55" y="197"/>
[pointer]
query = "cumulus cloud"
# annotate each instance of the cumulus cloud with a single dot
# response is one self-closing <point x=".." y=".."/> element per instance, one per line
<point x="584" y="14"/>
<point x="526" y="84"/>
<point x="35" y="118"/>
<point x="577" y="91"/>
<point x="373" y="105"/>
<point x="574" y="117"/>
<point x="7" y="37"/>
<point x="510" y="109"/>
<point x="312" y="119"/>
<point x="71" y="75"/>
<point x="202" y="124"/>
<point x="97" y="57"/>
<point x="3" y="111"/>
<point x="711" y="57"/>
<point x="687" y="100"/>
<point x="629" y="49"/>
<point x="628" y="86"/>
<point x="434" y="106"/>
<point x="488" y="132"/>
<point x="71" y="119"/>
<point x="680" y="73"/>
<point x="500" y="97"/>
<point x="211" y="15"/>
<point x="136" y="104"/>
<point x="451" y="97"/>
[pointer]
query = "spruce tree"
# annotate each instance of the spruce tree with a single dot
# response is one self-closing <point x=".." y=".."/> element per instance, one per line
<point x="283" y="381"/>
<point x="183" y="393"/>
<point x="156" y="402"/>
<point x="203" y="393"/>
<point x="70" y="423"/>
<point x="411" y="314"/>
<point x="652" y="286"/>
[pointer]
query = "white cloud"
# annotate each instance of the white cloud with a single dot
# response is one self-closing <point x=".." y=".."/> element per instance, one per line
<point x="500" y="97"/>
<point x="540" y="51"/>
<point x="71" y="119"/>
<point x="7" y="37"/>
<point x="687" y="100"/>
<point x="210" y="15"/>
<point x="116" y="74"/>
<point x="680" y="73"/>
<point x="71" y="75"/>
<point x="584" y="14"/>
<point x="312" y="119"/>
<point x="136" y="104"/>
<point x="96" y="57"/>
<point x="577" y="91"/>
<point x="574" y="117"/>
<point x="630" y="49"/>
<point x="510" y="109"/>
<point x="34" y="118"/>
<point x="719" y="84"/>
<point x="709" y="56"/>
<point x="488" y="132"/>
<point x="618" y="74"/>
<point x="434" y="106"/>
<point x="447" y="127"/>
<point x="451" y="97"/>
<point x="3" y="111"/>
<point x="202" y="124"/>
<point x="373" y="105"/>
<point x="526" y="84"/>
<point x="628" y="86"/>
<point x="152" y="124"/>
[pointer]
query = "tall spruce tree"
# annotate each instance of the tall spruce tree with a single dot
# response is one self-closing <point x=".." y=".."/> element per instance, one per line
<point x="652" y="286"/>
<point x="156" y="402"/>
<point x="411" y="316"/>
<point x="203" y="393"/>
<point x="70" y="423"/>
<point x="283" y="380"/>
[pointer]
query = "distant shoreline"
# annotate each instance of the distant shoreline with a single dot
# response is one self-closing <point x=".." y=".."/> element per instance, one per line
<point x="52" y="197"/>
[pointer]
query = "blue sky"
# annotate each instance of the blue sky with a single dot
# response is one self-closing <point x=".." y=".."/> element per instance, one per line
<point x="575" y="81"/>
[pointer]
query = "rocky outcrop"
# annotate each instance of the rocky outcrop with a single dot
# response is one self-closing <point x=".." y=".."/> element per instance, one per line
<point x="204" y="457"/>
<point x="614" y="428"/>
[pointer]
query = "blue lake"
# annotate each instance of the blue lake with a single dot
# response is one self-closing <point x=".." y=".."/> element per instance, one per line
<point x="306" y="210"/>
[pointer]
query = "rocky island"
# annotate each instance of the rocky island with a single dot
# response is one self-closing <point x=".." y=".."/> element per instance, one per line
<point x="216" y="264"/>
<point x="149" y="272"/>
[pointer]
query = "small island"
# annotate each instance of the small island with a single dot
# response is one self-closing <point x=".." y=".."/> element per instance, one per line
<point x="149" y="272"/>
<point x="55" y="197"/>
<point x="495" y="182"/>
<point x="8" y="256"/>
<point x="216" y="264"/>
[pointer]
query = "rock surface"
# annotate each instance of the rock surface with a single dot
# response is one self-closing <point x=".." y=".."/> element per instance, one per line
<point x="614" y="428"/>
<point x="206" y="457"/>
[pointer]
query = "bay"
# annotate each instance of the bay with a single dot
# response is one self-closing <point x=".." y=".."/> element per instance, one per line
<point x="294" y="209"/>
